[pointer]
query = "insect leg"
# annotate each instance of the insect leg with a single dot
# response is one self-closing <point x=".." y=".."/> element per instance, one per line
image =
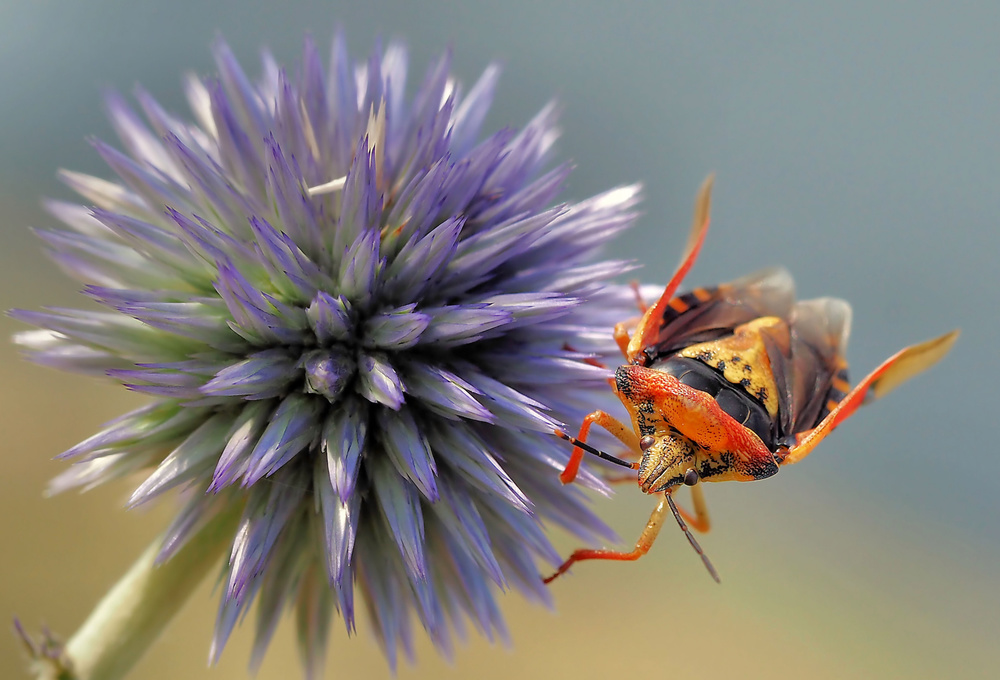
<point x="621" y="335"/>
<point x="642" y="545"/>
<point x="618" y="429"/>
<point x="639" y="302"/>
<point x="895" y="370"/>
<point x="621" y="479"/>
<point x="650" y="324"/>
<point x="623" y="329"/>
<point x="590" y="361"/>
<point x="700" y="521"/>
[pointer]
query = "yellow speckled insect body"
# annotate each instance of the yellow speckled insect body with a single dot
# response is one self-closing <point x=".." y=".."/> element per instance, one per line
<point x="730" y="384"/>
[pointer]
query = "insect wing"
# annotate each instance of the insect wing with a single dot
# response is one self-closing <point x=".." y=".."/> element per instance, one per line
<point x="808" y="362"/>
<point x="895" y="370"/>
<point x="706" y="314"/>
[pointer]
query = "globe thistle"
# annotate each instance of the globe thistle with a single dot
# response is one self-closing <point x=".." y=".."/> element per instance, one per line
<point x="358" y="321"/>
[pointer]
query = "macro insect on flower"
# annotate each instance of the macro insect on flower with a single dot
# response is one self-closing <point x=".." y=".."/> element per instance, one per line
<point x="728" y="384"/>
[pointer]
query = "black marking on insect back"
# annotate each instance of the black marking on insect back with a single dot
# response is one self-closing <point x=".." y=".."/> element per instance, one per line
<point x="721" y="365"/>
<point x="736" y="358"/>
<point x="705" y="355"/>
<point x="717" y="465"/>
<point x="725" y="462"/>
<point x="622" y="382"/>
<point x="748" y="368"/>
<point x="646" y="418"/>
<point x="761" y="394"/>
<point x="745" y="382"/>
<point x="761" y="469"/>
<point x="670" y="346"/>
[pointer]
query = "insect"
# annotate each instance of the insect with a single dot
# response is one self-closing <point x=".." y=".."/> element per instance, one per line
<point x="729" y="384"/>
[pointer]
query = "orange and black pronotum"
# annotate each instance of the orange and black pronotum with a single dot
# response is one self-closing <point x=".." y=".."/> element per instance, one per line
<point x="729" y="384"/>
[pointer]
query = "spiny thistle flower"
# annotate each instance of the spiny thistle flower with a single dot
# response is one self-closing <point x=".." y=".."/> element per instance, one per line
<point x="359" y="324"/>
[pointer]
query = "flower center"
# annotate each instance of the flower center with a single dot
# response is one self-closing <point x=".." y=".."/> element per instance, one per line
<point x="329" y="371"/>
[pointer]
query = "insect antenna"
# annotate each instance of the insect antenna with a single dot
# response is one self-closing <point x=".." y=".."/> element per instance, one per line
<point x="600" y="454"/>
<point x="691" y="539"/>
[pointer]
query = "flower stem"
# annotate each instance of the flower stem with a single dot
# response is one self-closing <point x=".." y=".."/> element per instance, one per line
<point x="138" y="608"/>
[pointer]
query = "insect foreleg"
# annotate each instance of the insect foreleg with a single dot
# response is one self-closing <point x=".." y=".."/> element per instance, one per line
<point x="621" y="334"/>
<point x="639" y="301"/>
<point x="642" y="545"/>
<point x="624" y="328"/>
<point x="700" y="521"/>
<point x="618" y="429"/>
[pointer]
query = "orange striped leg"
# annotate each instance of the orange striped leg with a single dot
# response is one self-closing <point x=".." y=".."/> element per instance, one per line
<point x="699" y="521"/>
<point x="649" y="326"/>
<point x="621" y="333"/>
<point x="639" y="302"/>
<point x="623" y="329"/>
<point x="590" y="361"/>
<point x="587" y="360"/>
<point x="892" y="372"/>
<point x="622" y="338"/>
<point x="621" y="479"/>
<point x="622" y="433"/>
<point x="642" y="546"/>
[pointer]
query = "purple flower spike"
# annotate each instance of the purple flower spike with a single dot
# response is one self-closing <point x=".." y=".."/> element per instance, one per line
<point x="358" y="320"/>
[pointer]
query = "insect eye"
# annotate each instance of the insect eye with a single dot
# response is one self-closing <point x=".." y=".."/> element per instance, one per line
<point x="646" y="442"/>
<point x="691" y="477"/>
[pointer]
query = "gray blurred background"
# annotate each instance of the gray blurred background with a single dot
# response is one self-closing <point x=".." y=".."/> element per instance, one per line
<point x="855" y="143"/>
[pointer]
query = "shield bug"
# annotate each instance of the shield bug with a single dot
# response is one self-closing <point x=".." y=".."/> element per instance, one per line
<point x="729" y="384"/>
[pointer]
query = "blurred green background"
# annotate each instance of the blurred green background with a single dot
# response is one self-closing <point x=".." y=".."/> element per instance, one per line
<point x="856" y="143"/>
